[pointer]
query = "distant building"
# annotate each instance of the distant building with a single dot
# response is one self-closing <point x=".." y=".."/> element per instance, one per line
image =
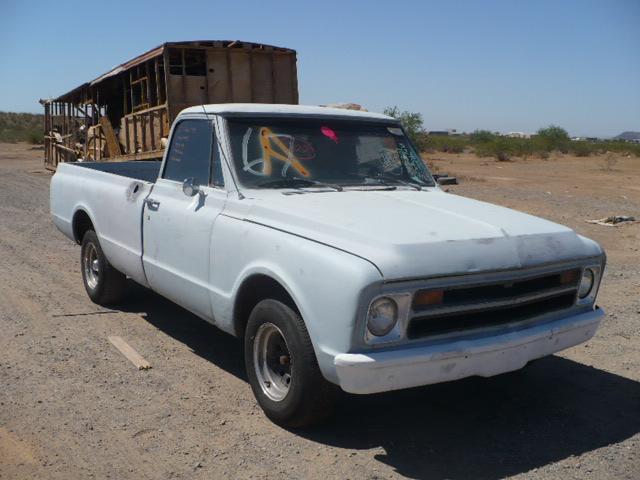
<point x="518" y="135"/>
<point x="443" y="133"/>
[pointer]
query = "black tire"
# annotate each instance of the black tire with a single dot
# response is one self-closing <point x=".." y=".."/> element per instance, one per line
<point x="309" y="398"/>
<point x="106" y="286"/>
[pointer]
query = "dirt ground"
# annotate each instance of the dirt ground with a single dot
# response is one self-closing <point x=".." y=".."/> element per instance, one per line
<point x="71" y="406"/>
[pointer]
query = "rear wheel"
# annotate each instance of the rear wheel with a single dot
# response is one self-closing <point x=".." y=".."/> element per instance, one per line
<point x="103" y="283"/>
<point x="282" y="367"/>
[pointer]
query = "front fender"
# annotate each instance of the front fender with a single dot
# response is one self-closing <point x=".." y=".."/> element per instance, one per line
<point x="325" y="283"/>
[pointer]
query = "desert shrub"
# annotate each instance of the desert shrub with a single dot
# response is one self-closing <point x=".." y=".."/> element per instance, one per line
<point x="455" y="145"/>
<point x="582" y="149"/>
<point x="35" y="137"/>
<point x="521" y="147"/>
<point x="482" y="136"/>
<point x="620" y="146"/>
<point x="503" y="156"/>
<point x="552" y="138"/>
<point x="485" y="149"/>
<point x="502" y="148"/>
<point x="20" y="127"/>
<point x="488" y="144"/>
<point x="449" y="144"/>
<point x="420" y="140"/>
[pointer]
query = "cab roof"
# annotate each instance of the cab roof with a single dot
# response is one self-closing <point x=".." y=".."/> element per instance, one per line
<point x="266" y="109"/>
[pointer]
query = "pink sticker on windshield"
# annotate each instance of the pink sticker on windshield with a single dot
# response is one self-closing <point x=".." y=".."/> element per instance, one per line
<point x="329" y="133"/>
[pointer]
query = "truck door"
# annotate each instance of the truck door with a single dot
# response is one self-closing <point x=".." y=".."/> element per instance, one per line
<point x="177" y="227"/>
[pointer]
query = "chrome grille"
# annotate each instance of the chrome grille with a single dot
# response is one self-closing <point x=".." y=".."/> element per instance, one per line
<point x="470" y="307"/>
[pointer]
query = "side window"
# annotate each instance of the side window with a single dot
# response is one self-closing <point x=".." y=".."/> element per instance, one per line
<point x="190" y="152"/>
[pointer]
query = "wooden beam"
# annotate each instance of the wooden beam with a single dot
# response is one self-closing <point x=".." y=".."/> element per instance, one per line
<point x="126" y="132"/>
<point x="157" y="73"/>
<point x="168" y="97"/>
<point x="231" y="93"/>
<point x="152" y="130"/>
<point x="113" y="147"/>
<point x="131" y="355"/>
<point x="124" y="96"/>
<point x="131" y="87"/>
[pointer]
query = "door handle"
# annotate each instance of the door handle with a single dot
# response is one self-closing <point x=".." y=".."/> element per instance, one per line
<point x="152" y="204"/>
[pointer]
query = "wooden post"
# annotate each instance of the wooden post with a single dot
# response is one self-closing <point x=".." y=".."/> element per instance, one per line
<point x="230" y="78"/>
<point x="64" y="118"/>
<point x="272" y="63"/>
<point x="131" y="88"/>
<point x="251" y="79"/>
<point x="184" y="80"/>
<point x="150" y="94"/>
<point x="165" y="56"/>
<point x="46" y="132"/>
<point x="294" y="78"/>
<point x="157" y="74"/>
<point x="135" y="133"/>
<point x="143" y="131"/>
<point x="152" y="129"/>
<point x="124" y="96"/>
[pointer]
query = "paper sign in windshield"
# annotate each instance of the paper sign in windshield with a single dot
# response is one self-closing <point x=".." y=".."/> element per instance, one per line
<point x="329" y="133"/>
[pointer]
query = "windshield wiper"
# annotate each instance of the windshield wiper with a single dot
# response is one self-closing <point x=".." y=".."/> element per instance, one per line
<point x="297" y="182"/>
<point x="385" y="177"/>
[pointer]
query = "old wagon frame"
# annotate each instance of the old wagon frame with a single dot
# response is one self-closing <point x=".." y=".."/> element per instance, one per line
<point x="126" y="113"/>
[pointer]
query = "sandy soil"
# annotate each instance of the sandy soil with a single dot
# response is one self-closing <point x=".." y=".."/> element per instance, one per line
<point x="71" y="406"/>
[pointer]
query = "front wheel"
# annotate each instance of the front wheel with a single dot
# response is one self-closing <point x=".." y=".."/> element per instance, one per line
<point x="103" y="283"/>
<point x="282" y="367"/>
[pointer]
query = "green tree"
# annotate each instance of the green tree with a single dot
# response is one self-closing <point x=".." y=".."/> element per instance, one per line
<point x="411" y="121"/>
<point x="553" y="137"/>
<point x="554" y="132"/>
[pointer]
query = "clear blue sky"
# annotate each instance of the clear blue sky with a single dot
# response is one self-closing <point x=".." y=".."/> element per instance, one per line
<point x="499" y="65"/>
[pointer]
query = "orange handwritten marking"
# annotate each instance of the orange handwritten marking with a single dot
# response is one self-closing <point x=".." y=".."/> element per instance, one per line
<point x="267" y="137"/>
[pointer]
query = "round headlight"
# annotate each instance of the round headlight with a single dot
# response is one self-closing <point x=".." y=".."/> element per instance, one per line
<point x="383" y="314"/>
<point x="586" y="283"/>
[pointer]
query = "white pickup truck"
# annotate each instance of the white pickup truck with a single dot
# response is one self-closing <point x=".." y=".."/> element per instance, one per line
<point x="319" y="236"/>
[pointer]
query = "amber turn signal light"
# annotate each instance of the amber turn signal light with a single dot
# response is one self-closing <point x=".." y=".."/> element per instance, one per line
<point x="569" y="277"/>
<point x="428" y="297"/>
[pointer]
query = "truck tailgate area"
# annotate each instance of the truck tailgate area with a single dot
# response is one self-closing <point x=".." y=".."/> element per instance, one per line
<point x="112" y="195"/>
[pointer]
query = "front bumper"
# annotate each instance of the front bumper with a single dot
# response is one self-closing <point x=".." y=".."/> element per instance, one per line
<point x="487" y="356"/>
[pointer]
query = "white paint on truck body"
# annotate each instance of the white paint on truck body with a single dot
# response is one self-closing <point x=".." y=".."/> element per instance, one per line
<point x="393" y="370"/>
<point x="333" y="252"/>
<point x="412" y="234"/>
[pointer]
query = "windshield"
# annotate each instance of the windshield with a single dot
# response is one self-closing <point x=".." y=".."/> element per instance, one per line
<point x="277" y="153"/>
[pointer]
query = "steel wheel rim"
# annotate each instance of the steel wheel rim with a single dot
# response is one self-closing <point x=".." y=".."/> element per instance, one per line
<point x="91" y="266"/>
<point x="272" y="362"/>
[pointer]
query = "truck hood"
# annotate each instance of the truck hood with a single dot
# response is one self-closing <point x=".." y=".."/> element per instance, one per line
<point x="410" y="234"/>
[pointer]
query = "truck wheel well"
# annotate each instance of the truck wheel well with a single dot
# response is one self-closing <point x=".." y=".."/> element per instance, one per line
<point x="81" y="223"/>
<point x="253" y="290"/>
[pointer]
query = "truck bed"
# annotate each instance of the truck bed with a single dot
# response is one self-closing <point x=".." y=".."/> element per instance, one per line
<point x="112" y="195"/>
<point x="144" y="171"/>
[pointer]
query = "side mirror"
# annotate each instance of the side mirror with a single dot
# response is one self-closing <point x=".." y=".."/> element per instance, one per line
<point x="190" y="187"/>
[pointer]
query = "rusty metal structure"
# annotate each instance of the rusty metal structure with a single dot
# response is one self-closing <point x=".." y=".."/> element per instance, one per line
<point x="126" y="113"/>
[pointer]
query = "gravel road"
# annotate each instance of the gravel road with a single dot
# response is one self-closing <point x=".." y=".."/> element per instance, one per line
<point x="71" y="406"/>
